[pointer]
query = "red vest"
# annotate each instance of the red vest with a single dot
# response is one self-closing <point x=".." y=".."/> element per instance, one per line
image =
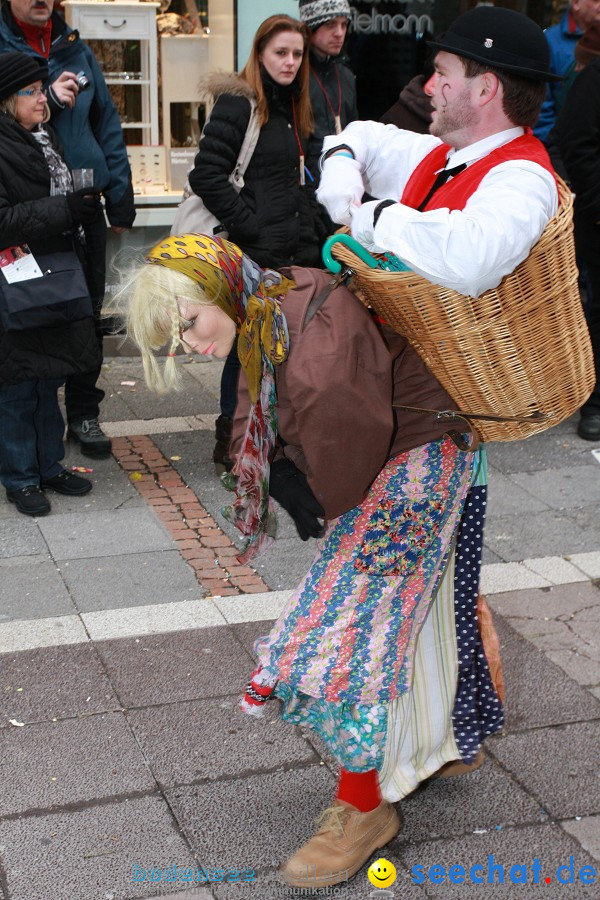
<point x="455" y="192"/>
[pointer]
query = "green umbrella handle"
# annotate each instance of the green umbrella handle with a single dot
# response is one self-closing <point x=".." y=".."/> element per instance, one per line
<point x="333" y="265"/>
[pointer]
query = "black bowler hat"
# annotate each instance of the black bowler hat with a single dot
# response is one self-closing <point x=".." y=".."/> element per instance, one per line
<point x="502" y="39"/>
<point x="17" y="70"/>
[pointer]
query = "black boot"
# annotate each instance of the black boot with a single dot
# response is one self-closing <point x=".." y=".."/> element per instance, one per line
<point x="221" y="459"/>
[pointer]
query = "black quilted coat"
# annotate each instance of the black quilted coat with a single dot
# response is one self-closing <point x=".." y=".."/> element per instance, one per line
<point x="29" y="215"/>
<point x="275" y="220"/>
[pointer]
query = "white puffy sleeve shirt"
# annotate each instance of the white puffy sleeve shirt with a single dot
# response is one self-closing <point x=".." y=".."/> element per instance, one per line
<point x="468" y="250"/>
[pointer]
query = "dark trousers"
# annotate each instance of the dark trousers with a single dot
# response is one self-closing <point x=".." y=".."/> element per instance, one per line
<point x="587" y="241"/>
<point x="32" y="427"/>
<point x="229" y="382"/>
<point x="82" y="395"/>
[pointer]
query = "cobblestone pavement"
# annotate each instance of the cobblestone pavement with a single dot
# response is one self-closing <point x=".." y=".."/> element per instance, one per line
<point x="126" y="630"/>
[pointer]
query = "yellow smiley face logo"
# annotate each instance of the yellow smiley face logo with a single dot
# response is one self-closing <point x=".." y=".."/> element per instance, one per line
<point x="382" y="873"/>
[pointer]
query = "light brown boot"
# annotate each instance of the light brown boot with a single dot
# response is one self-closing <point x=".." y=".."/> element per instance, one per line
<point x="343" y="843"/>
<point x="458" y="767"/>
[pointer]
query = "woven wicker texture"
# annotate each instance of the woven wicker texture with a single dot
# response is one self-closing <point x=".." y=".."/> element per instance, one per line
<point x="517" y="349"/>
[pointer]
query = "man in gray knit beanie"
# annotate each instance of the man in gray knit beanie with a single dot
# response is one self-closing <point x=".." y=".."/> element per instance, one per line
<point x="316" y="12"/>
<point x="332" y="85"/>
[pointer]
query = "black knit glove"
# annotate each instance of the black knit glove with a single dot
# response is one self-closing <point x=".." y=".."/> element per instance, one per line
<point x="84" y="205"/>
<point x="288" y="485"/>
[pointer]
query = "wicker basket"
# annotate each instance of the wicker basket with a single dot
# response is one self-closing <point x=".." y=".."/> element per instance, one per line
<point x="517" y="350"/>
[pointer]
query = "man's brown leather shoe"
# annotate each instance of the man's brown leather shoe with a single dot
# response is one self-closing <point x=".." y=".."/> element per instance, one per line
<point x="343" y="843"/>
<point x="458" y="767"/>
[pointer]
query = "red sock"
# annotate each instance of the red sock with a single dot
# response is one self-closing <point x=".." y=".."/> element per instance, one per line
<point x="360" y="789"/>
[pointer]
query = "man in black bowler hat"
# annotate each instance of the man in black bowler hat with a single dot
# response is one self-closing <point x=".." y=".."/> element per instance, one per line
<point x="462" y="206"/>
<point x="497" y="193"/>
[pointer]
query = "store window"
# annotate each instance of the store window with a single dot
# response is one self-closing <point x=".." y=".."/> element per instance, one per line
<point x="387" y="43"/>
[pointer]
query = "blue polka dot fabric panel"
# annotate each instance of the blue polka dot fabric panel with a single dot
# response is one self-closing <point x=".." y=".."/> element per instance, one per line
<point x="477" y="709"/>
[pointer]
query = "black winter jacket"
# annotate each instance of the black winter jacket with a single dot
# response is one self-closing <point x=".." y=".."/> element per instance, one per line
<point x="332" y="88"/>
<point x="577" y="134"/>
<point x="412" y="110"/>
<point x="28" y="214"/>
<point x="274" y="220"/>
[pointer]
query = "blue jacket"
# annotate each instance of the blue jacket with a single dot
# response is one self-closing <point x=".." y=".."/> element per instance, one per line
<point x="561" y="39"/>
<point x="91" y="132"/>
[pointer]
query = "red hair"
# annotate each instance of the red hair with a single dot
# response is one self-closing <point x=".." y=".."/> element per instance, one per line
<point x="252" y="71"/>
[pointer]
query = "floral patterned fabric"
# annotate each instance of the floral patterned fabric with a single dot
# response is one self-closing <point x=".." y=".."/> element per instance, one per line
<point x="344" y="646"/>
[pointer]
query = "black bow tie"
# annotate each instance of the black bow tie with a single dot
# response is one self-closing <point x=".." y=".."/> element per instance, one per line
<point x="441" y="178"/>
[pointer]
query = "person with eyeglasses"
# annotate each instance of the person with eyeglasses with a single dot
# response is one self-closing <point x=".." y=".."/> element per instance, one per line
<point x="40" y="213"/>
<point x="89" y="128"/>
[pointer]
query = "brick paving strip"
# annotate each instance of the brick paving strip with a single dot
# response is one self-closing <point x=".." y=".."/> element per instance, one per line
<point x="200" y="541"/>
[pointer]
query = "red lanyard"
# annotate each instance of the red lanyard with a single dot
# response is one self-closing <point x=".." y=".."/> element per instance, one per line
<point x="337" y="117"/>
<point x="299" y="142"/>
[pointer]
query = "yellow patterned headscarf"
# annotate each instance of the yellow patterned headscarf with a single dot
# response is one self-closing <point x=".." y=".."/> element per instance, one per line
<point x="250" y="296"/>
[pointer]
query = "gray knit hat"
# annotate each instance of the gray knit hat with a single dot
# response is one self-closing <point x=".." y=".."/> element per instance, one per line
<point x="17" y="70"/>
<point x="315" y="13"/>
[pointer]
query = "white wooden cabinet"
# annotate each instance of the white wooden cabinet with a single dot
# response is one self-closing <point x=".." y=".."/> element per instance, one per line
<point x="185" y="58"/>
<point x="125" y="20"/>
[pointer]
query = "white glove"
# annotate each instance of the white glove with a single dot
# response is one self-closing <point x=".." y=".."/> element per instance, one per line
<point x="341" y="187"/>
<point x="362" y="228"/>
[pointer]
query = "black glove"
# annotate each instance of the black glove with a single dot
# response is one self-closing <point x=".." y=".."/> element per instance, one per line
<point x="84" y="205"/>
<point x="288" y="485"/>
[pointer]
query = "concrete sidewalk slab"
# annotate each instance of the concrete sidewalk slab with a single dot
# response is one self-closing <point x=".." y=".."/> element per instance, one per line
<point x="562" y="699"/>
<point x="170" y="425"/>
<point x="114" y="406"/>
<point x="508" y="847"/>
<point x="73" y="760"/>
<point x="563" y="622"/>
<point x="552" y="533"/>
<point x="109" y="489"/>
<point x="255" y="608"/>
<point x="158" y="618"/>
<point x="556" y="570"/>
<point x="203" y="740"/>
<point x="488" y="798"/>
<point x="265" y="817"/>
<point x="133" y="579"/>
<point x="90" y="853"/>
<point x="168" y="668"/>
<point x="589" y="563"/>
<point x="587" y="831"/>
<point x="538" y="607"/>
<point x="104" y="533"/>
<point x="54" y="683"/>
<point x="268" y="886"/>
<point x="541" y="451"/>
<point x="507" y="498"/>
<point x="49" y="632"/>
<point x="573" y="754"/>
<point x="248" y="633"/>
<point x="21" y="537"/>
<point x="497" y="578"/>
<point x="565" y="488"/>
<point x="33" y="589"/>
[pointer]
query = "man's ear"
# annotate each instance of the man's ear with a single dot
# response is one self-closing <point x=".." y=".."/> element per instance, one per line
<point x="489" y="88"/>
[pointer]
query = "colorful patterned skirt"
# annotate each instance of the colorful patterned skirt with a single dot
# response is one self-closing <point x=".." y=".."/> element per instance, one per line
<point x="343" y="651"/>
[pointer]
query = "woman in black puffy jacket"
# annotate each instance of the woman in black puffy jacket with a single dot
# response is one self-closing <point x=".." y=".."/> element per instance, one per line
<point x="275" y="219"/>
<point x="39" y="209"/>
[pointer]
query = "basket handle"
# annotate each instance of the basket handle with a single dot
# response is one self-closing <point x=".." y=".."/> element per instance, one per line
<point x="333" y="265"/>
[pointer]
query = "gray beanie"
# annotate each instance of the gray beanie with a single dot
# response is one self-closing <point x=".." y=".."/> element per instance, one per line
<point x="315" y="13"/>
